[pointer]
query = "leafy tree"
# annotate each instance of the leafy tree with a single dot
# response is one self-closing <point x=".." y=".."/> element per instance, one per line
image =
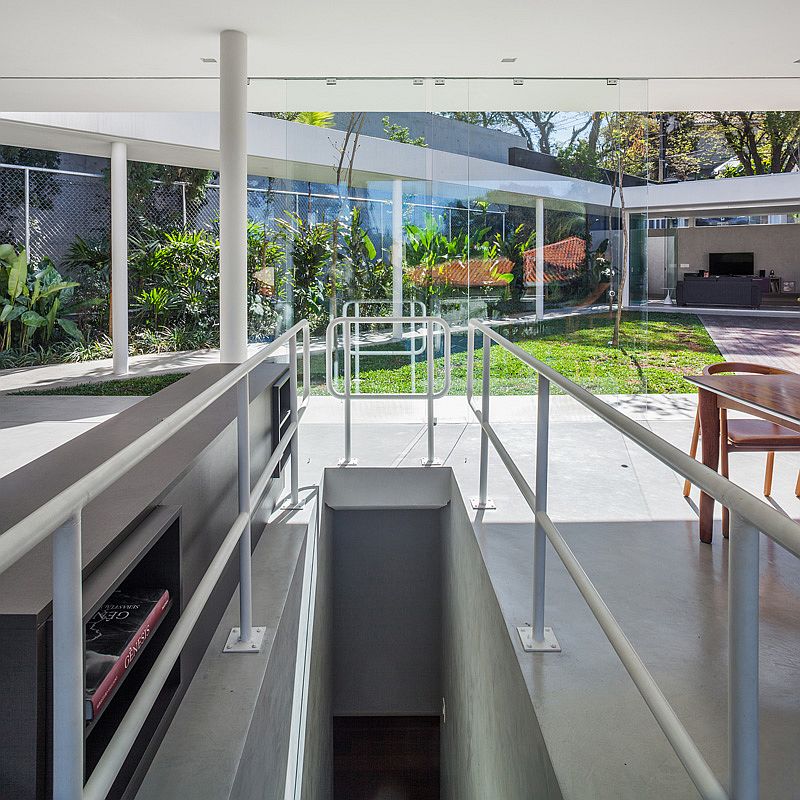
<point x="155" y="193"/>
<point x="762" y="141"/>
<point x="399" y="133"/>
<point x="538" y="128"/>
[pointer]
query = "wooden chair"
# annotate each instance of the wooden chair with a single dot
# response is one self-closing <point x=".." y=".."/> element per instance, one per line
<point x="747" y="435"/>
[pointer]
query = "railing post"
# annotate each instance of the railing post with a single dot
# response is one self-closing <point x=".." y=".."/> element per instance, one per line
<point x="68" y="670"/>
<point x="431" y="460"/>
<point x="294" y="501"/>
<point x="348" y="459"/>
<point x="743" y="583"/>
<point x="27" y="174"/>
<point x="537" y="638"/>
<point x="482" y="501"/>
<point x="245" y="638"/>
<point x="358" y="349"/>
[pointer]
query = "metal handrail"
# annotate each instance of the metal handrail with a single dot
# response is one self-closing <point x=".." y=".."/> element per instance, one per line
<point x="412" y="352"/>
<point x="749" y="515"/>
<point x="347" y="323"/>
<point x="60" y="517"/>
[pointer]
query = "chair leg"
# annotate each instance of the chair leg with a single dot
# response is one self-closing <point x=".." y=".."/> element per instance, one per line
<point x="768" y="474"/>
<point x="687" y="487"/>
<point x="724" y="465"/>
<point x="797" y="486"/>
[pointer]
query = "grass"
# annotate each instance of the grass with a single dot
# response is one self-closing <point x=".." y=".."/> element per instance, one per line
<point x="144" y="385"/>
<point x="654" y="356"/>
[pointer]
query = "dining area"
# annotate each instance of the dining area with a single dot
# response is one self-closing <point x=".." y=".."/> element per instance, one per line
<point x="765" y="401"/>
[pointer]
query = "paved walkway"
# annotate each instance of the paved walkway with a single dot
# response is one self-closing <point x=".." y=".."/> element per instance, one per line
<point x="764" y="340"/>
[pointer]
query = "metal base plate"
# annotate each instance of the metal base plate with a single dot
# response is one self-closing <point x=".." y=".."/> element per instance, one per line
<point x="475" y="502"/>
<point x="343" y="462"/>
<point x="288" y="505"/>
<point x="233" y="645"/>
<point x="549" y="645"/>
<point x="437" y="462"/>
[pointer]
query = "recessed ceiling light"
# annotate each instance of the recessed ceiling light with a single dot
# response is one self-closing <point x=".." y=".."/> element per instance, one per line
<point x="508" y="60"/>
<point x="209" y="60"/>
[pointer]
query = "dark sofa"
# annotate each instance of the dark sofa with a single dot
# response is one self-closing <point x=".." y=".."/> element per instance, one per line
<point x="719" y="290"/>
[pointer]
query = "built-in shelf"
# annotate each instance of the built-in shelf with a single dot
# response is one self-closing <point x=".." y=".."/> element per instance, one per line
<point x="150" y="558"/>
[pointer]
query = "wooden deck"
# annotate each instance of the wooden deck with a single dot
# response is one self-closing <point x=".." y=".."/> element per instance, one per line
<point x="774" y="341"/>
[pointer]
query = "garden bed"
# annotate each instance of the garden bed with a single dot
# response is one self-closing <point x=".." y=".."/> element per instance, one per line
<point x="141" y="386"/>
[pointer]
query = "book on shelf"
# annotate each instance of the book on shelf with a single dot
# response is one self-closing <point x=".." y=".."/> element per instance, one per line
<point x="115" y="636"/>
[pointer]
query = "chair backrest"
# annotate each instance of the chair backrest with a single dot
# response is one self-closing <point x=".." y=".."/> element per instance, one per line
<point x="743" y="366"/>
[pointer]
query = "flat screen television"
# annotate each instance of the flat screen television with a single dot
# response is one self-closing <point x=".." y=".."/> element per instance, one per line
<point x="730" y="264"/>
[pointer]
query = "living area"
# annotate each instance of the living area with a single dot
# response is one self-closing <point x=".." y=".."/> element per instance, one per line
<point x="739" y="265"/>
<point x="731" y="243"/>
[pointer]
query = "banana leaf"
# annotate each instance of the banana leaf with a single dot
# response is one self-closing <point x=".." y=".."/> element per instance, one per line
<point x="70" y="328"/>
<point x="17" y="275"/>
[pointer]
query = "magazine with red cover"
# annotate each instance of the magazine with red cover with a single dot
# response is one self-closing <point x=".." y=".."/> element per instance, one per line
<point x="115" y="636"/>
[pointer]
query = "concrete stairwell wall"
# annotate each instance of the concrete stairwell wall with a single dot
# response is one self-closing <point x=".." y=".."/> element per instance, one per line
<point x="491" y="742"/>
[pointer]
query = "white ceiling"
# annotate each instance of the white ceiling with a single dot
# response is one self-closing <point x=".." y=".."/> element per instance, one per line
<point x="58" y="42"/>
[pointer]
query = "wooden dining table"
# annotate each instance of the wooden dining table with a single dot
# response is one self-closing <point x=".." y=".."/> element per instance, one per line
<point x="775" y="398"/>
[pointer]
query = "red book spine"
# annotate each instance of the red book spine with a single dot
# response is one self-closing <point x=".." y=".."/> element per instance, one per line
<point x="127" y="658"/>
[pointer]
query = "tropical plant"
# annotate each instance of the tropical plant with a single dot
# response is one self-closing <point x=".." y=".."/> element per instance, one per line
<point x="513" y="247"/>
<point x="366" y="275"/>
<point x="31" y="299"/>
<point x="310" y="247"/>
<point x="88" y="260"/>
<point x="153" y="303"/>
<point x="266" y="279"/>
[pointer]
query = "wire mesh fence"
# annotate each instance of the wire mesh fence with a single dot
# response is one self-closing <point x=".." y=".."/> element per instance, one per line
<point x="44" y="210"/>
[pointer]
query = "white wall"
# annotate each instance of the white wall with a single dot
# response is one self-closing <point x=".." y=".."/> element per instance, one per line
<point x="774" y="246"/>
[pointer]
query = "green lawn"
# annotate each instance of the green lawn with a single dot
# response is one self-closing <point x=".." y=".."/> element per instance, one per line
<point x="123" y="387"/>
<point x="654" y="356"/>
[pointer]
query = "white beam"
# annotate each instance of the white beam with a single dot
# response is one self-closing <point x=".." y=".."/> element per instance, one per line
<point x="539" y="258"/>
<point x="119" y="256"/>
<point x="397" y="253"/>
<point x="233" y="197"/>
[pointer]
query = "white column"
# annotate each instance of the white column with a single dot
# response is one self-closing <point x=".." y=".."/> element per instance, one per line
<point x="539" y="257"/>
<point x="119" y="255"/>
<point x="397" y="254"/>
<point x="626" y="290"/>
<point x="233" y="196"/>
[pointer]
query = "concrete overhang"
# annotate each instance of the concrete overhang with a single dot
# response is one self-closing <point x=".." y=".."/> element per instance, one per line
<point x="282" y="149"/>
<point x="757" y="194"/>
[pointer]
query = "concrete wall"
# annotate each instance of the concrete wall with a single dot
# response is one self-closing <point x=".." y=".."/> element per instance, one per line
<point x="442" y="133"/>
<point x="775" y="246"/>
<point x="317" y="756"/>
<point x="386" y="612"/>
<point x="491" y="742"/>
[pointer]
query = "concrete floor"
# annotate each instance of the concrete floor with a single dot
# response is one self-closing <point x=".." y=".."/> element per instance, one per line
<point x="32" y="426"/>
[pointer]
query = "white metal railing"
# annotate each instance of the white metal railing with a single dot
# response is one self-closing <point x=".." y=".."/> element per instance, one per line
<point x="60" y="518"/>
<point x="331" y="344"/>
<point x="749" y="515"/>
<point x="356" y="305"/>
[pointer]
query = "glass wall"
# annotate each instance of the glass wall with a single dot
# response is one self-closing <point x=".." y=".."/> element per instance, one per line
<point x="444" y="202"/>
